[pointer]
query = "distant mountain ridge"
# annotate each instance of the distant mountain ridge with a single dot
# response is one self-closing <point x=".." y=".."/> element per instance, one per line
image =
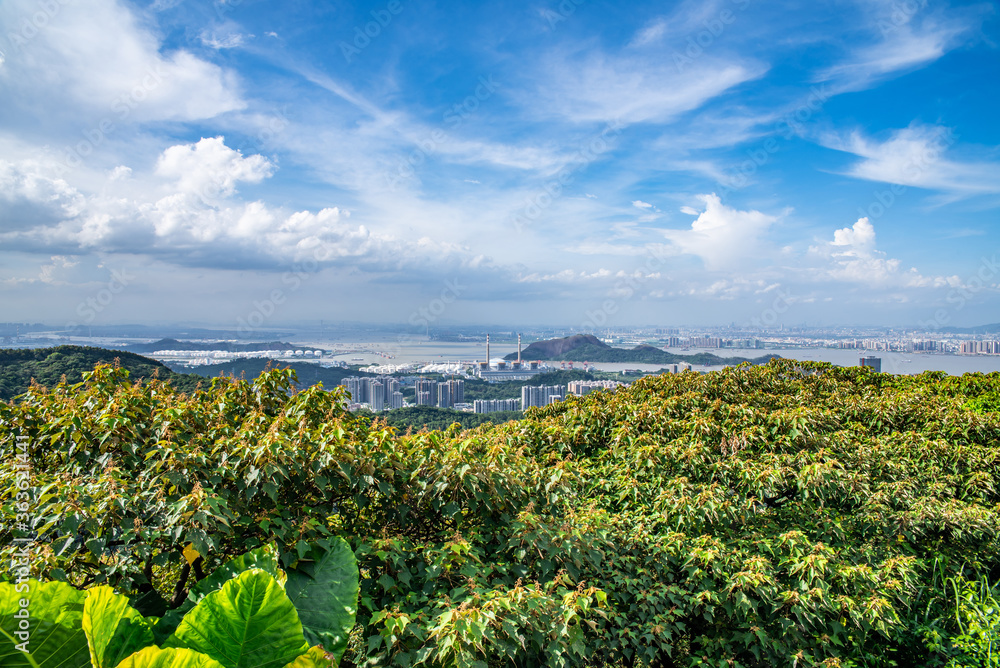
<point x="588" y="348"/>
<point x="174" y="344"/>
<point x="979" y="329"/>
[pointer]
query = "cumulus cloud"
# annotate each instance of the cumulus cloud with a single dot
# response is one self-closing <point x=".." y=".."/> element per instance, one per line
<point x="73" y="63"/>
<point x="852" y="257"/>
<point x="721" y="236"/>
<point x="639" y="204"/>
<point x="209" y="168"/>
<point x="199" y="221"/>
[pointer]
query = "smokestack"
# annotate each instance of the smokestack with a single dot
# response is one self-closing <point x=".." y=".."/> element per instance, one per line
<point x="519" y="350"/>
<point x="487" y="351"/>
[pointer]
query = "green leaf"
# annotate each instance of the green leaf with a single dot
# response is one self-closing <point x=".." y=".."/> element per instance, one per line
<point x="114" y="629"/>
<point x="324" y="589"/>
<point x="314" y="658"/>
<point x="173" y="657"/>
<point x="249" y="623"/>
<point x="265" y="558"/>
<point x="55" y="636"/>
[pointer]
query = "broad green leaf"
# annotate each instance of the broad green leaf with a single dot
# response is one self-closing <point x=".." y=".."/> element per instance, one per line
<point x="172" y="657"/>
<point x="114" y="628"/>
<point x="314" y="658"/>
<point x="55" y="637"/>
<point x="249" y="623"/>
<point x="264" y="558"/>
<point x="324" y="588"/>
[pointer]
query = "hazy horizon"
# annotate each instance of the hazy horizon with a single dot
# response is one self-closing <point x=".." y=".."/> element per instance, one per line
<point x="244" y="164"/>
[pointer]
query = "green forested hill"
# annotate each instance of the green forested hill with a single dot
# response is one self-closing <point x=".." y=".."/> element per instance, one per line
<point x="588" y="348"/>
<point x="48" y="366"/>
<point x="308" y="373"/>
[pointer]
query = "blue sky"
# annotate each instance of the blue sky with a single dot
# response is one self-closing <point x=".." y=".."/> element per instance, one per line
<point x="574" y="162"/>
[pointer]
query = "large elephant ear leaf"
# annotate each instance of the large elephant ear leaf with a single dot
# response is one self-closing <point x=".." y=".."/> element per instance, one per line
<point x="314" y="658"/>
<point x="174" y="657"/>
<point x="265" y="558"/>
<point x="114" y="628"/>
<point x="249" y="623"/>
<point x="324" y="588"/>
<point x="54" y="631"/>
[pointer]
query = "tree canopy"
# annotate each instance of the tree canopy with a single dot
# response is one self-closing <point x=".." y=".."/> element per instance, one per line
<point x="793" y="513"/>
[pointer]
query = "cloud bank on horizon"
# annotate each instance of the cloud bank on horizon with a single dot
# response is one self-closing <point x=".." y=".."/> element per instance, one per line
<point x="687" y="161"/>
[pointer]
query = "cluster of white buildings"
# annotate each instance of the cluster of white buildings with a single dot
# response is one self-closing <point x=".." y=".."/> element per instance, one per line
<point x="377" y="394"/>
<point x="203" y="357"/>
<point x="980" y="348"/>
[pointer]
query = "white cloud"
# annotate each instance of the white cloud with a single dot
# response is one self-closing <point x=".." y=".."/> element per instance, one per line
<point x="229" y="41"/>
<point x="852" y="257"/>
<point x="198" y="221"/>
<point x="211" y="169"/>
<point x="908" y="37"/>
<point x="586" y="85"/>
<point x="914" y="156"/>
<point x="639" y="204"/>
<point x="120" y="173"/>
<point x="724" y="238"/>
<point x="92" y="57"/>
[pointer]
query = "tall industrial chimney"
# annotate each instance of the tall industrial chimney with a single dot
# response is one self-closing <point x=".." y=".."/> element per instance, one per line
<point x="519" y="349"/>
<point x="487" y="351"/>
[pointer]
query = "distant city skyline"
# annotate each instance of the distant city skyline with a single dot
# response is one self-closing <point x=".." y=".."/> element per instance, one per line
<point x="252" y="166"/>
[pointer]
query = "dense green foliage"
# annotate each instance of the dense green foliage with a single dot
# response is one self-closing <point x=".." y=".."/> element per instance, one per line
<point x="588" y="348"/>
<point x="786" y="514"/>
<point x="47" y="366"/>
<point x="306" y="373"/>
<point x="249" y="613"/>
<point x="416" y="418"/>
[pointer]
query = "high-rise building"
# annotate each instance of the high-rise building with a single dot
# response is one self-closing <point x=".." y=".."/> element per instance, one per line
<point x="539" y="395"/>
<point x="496" y="405"/>
<point x="444" y="395"/>
<point x="874" y="363"/>
<point x="426" y="392"/>
<point x="396" y="401"/>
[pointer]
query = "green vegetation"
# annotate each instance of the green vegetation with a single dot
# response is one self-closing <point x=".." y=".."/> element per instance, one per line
<point x="588" y="348"/>
<point x="48" y="366"/>
<point x="307" y="373"/>
<point x="432" y="417"/>
<point x="793" y="513"/>
<point x="249" y="612"/>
